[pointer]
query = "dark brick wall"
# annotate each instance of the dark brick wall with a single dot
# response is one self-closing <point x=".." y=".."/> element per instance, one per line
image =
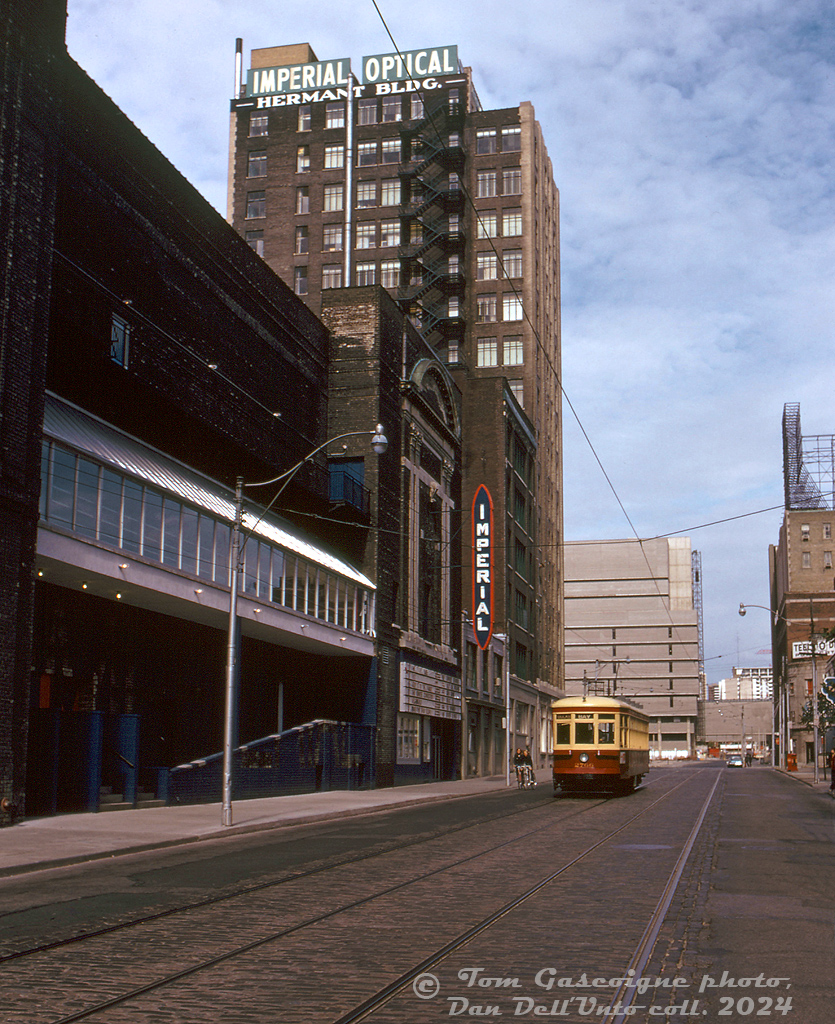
<point x="32" y="34"/>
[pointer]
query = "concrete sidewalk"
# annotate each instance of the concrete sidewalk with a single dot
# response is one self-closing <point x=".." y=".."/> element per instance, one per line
<point x="63" y="839"/>
<point x="806" y="774"/>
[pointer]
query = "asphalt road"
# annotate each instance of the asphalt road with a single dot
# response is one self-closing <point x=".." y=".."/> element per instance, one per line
<point x="714" y="887"/>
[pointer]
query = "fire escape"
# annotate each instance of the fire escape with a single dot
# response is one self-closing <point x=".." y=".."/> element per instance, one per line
<point x="432" y="213"/>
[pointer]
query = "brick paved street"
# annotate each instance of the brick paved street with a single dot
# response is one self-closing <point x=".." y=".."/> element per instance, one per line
<point x="375" y="909"/>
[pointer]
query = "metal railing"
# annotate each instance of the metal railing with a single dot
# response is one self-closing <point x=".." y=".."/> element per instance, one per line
<point x="320" y="755"/>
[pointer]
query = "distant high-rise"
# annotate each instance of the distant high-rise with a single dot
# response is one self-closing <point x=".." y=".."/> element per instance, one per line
<point x="453" y="209"/>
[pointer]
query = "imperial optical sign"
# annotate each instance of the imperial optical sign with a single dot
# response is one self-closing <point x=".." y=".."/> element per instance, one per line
<point x="483" y="566"/>
<point x="324" y="74"/>
<point x="394" y="67"/>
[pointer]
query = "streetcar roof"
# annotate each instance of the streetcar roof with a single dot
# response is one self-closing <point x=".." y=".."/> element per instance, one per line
<point x="592" y="702"/>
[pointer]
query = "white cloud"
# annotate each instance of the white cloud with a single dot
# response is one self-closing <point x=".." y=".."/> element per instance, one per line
<point x="692" y="142"/>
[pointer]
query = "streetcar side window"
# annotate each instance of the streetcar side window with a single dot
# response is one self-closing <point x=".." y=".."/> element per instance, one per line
<point x="563" y="732"/>
<point x="584" y="732"/>
<point x="606" y="732"/>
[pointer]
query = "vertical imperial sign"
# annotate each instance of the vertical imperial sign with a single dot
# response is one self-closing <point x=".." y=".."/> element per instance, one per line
<point x="483" y="566"/>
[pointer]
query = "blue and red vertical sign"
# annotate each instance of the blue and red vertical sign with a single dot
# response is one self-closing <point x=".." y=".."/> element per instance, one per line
<point x="483" y="566"/>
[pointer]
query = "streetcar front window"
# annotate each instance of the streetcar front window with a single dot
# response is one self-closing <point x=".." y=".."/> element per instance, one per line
<point x="584" y="732"/>
<point x="563" y="733"/>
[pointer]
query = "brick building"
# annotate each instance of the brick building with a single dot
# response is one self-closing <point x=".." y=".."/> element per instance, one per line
<point x="149" y="358"/>
<point x="453" y="209"/>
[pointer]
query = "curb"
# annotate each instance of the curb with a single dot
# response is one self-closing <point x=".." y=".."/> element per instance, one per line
<point x="234" y="830"/>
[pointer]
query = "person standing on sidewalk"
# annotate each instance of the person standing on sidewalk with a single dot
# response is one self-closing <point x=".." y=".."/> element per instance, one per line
<point x="832" y="770"/>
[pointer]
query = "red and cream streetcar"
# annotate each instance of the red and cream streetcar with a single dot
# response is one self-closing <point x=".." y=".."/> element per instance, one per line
<point x="601" y="745"/>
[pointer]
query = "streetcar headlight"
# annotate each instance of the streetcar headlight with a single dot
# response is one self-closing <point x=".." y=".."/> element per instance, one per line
<point x="583" y="758"/>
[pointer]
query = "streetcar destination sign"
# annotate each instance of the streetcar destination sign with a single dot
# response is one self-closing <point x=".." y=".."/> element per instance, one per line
<point x="483" y="566"/>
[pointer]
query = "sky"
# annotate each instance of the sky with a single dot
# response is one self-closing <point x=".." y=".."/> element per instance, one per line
<point x="692" y="143"/>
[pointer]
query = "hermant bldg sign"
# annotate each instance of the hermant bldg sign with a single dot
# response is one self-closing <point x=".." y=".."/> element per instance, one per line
<point x="328" y="80"/>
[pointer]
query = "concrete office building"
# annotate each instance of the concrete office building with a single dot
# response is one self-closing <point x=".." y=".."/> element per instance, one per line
<point x="632" y="631"/>
<point x="453" y="209"/>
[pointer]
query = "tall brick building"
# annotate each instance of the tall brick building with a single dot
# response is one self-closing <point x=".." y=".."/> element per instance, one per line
<point x="397" y="176"/>
<point x="149" y="358"/>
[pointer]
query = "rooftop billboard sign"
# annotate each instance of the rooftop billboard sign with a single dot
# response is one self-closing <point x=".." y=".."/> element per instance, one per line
<point x="395" y="67"/>
<point x="324" y="74"/>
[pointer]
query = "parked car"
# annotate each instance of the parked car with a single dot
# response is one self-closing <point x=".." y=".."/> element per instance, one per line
<point x="734" y="761"/>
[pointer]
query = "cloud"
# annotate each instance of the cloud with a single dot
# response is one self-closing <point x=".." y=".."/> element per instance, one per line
<point x="692" y="142"/>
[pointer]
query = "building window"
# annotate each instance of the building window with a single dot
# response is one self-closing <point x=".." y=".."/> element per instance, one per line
<point x="332" y="238"/>
<point x="485" y="309"/>
<point x="486" y="141"/>
<point x="513" y="351"/>
<point x="334" y="157"/>
<point x="302" y="159"/>
<point x="827" y="559"/>
<point x="367" y="154"/>
<point x="335" y="115"/>
<point x="332" y="276"/>
<point x="517" y="389"/>
<point x="119" y="341"/>
<point x="511" y="307"/>
<point x="453" y="307"/>
<point x="417" y="108"/>
<point x="302" y="240"/>
<point x="258" y="125"/>
<point x="304" y="123"/>
<point x="512" y="262"/>
<point x="486" y="266"/>
<point x="367" y="193"/>
<point x="333" y="198"/>
<point x="390" y="273"/>
<point x="392" y="109"/>
<point x="303" y="199"/>
<point x="256" y="166"/>
<point x="512" y="181"/>
<point x="255" y="240"/>
<point x="366" y="235"/>
<point x="390" y="189"/>
<point x="487" y="224"/>
<point x="511" y="138"/>
<point x="368" y="111"/>
<point x="391" y="151"/>
<point x="366" y="274"/>
<point x="485" y="184"/>
<point x="256" y="205"/>
<point x="389" y="233"/>
<point x="511" y="223"/>
<point x="827" y="531"/>
<point x="300" y="280"/>
<point x="487" y="352"/>
<point x="807" y="560"/>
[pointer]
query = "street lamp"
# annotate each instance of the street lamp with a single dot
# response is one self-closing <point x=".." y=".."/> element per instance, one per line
<point x="782" y="715"/>
<point x="379" y="443"/>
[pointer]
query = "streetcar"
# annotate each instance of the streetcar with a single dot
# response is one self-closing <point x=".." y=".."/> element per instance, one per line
<point x="601" y="745"/>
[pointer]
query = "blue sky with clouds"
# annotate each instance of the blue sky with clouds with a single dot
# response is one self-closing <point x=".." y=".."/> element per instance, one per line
<point x="692" y="142"/>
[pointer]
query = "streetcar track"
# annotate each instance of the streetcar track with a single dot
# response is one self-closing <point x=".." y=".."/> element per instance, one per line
<point x="208" y="901"/>
<point x="385" y="995"/>
<point x="391" y="990"/>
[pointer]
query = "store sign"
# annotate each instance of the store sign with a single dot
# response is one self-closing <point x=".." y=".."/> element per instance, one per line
<point x="823" y="649"/>
<point x="483" y="566"/>
<point x="395" y="67"/>
<point x="327" y="75"/>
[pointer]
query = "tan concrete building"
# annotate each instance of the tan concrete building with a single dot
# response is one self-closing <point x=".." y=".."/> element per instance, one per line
<point x="632" y="631"/>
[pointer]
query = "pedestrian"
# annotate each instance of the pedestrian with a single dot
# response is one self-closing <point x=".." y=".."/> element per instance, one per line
<point x="528" y="767"/>
<point x="832" y="770"/>
<point x="518" y="762"/>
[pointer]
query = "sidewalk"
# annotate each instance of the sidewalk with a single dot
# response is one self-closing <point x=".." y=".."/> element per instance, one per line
<point x="806" y="774"/>
<point x="63" y="839"/>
